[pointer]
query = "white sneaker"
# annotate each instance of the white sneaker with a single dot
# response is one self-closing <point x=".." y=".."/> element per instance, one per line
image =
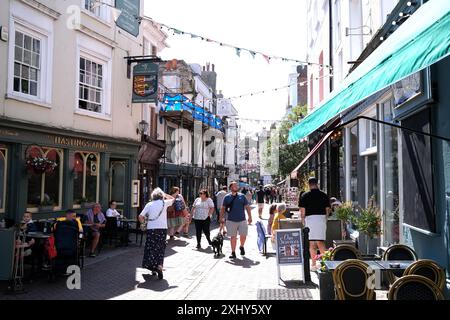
<point x="313" y="268"/>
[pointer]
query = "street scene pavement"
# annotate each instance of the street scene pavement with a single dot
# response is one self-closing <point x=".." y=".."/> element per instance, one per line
<point x="190" y="273"/>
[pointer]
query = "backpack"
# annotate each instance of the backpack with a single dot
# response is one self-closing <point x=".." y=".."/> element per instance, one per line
<point x="178" y="204"/>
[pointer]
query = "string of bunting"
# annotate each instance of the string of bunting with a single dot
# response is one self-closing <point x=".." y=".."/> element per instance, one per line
<point x="300" y="84"/>
<point x="237" y="49"/>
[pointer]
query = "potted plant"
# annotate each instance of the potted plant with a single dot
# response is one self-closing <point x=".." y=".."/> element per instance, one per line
<point x="368" y="222"/>
<point x="326" y="284"/>
<point x="346" y="215"/>
<point x="40" y="165"/>
<point x="46" y="204"/>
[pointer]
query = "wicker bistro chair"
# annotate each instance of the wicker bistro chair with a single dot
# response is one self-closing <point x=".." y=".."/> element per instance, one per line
<point x="414" y="287"/>
<point x="398" y="252"/>
<point x="344" y="252"/>
<point x="351" y="279"/>
<point x="428" y="269"/>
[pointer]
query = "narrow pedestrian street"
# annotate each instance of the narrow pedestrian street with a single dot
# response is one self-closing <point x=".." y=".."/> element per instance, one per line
<point x="190" y="274"/>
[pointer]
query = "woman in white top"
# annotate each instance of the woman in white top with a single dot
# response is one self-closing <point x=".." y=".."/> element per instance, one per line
<point x="155" y="245"/>
<point x="202" y="211"/>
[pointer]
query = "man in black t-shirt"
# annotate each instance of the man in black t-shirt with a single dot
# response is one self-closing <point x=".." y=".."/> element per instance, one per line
<point x="260" y="200"/>
<point x="315" y="208"/>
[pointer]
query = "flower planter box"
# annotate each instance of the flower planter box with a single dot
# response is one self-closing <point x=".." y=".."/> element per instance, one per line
<point x="326" y="285"/>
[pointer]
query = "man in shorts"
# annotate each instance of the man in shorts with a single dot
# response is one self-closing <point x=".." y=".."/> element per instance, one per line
<point x="236" y="204"/>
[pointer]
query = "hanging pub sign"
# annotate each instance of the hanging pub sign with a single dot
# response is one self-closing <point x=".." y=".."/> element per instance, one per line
<point x="129" y="16"/>
<point x="145" y="83"/>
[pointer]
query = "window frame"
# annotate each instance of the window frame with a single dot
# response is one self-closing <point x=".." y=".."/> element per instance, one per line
<point x="85" y="155"/>
<point x="105" y="61"/>
<point x="5" y="178"/>
<point x="44" y="151"/>
<point x="90" y="86"/>
<point x="44" y="90"/>
<point x="104" y="14"/>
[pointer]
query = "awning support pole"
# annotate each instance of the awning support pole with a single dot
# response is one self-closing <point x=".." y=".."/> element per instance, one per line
<point x="385" y="123"/>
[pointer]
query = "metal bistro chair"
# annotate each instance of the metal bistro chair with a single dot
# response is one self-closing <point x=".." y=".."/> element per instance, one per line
<point x="428" y="269"/>
<point x="344" y="252"/>
<point x="350" y="281"/>
<point x="414" y="287"/>
<point x="398" y="252"/>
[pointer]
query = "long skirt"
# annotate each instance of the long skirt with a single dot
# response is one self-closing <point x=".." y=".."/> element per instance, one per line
<point x="155" y="246"/>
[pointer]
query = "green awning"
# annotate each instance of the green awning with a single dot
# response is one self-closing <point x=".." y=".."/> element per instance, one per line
<point x="419" y="42"/>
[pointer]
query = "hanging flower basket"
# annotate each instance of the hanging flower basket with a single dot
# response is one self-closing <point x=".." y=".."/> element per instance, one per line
<point x="41" y="165"/>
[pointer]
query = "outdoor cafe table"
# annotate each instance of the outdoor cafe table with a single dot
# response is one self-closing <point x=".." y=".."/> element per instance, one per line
<point x="384" y="265"/>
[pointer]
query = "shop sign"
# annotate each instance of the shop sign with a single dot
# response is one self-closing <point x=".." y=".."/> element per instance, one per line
<point x="78" y="143"/>
<point x="129" y="16"/>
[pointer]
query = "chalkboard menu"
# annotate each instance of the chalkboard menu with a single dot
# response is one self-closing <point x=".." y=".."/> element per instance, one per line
<point x="289" y="246"/>
<point x="129" y="17"/>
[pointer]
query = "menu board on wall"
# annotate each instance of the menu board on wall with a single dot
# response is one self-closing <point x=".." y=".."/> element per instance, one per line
<point x="135" y="193"/>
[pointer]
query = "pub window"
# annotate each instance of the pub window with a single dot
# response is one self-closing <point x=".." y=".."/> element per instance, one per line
<point x="90" y="85"/>
<point x="85" y="177"/>
<point x="3" y="174"/>
<point x="44" y="187"/>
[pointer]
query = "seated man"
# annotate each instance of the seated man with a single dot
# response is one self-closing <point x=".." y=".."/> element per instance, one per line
<point x="96" y="219"/>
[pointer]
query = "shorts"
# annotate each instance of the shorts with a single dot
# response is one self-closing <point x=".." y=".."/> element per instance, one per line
<point x="317" y="225"/>
<point x="234" y="227"/>
<point x="260" y="205"/>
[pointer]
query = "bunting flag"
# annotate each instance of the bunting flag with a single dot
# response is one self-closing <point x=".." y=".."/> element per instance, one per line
<point x="251" y="94"/>
<point x="267" y="57"/>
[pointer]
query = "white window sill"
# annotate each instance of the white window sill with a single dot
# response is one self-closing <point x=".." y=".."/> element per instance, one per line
<point x="93" y="114"/>
<point x="97" y="18"/>
<point x="22" y="98"/>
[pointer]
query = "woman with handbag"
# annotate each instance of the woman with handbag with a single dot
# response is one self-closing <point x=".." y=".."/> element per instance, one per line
<point x="175" y="213"/>
<point x="154" y="216"/>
